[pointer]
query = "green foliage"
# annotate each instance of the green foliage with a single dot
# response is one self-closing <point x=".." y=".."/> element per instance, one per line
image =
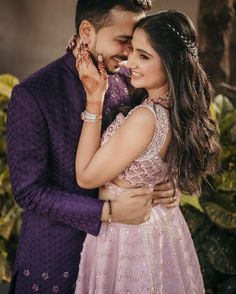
<point x="213" y="226"/>
<point x="10" y="214"/>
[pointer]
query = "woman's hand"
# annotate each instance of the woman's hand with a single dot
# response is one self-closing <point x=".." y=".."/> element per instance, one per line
<point x="94" y="80"/>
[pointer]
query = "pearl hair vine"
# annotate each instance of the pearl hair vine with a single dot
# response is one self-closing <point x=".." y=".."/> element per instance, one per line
<point x="191" y="46"/>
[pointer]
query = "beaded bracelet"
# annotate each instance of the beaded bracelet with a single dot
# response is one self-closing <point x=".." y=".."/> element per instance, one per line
<point x="90" y="117"/>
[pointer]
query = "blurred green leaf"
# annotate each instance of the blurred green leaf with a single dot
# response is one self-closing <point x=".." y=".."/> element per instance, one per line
<point x="228" y="286"/>
<point x="222" y="105"/>
<point x="4" y="269"/>
<point x="220" y="247"/>
<point x="220" y="216"/>
<point x="6" y="227"/>
<point x="7" y="82"/>
<point x="191" y="200"/>
<point x="10" y="214"/>
<point x="194" y="217"/>
<point x="226" y="181"/>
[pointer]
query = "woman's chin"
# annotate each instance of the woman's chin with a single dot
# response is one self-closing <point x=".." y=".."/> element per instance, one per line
<point x="136" y="84"/>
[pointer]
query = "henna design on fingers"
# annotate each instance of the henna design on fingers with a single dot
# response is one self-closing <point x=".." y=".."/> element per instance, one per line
<point x="85" y="53"/>
<point x="101" y="67"/>
<point x="90" y="84"/>
<point x="79" y="60"/>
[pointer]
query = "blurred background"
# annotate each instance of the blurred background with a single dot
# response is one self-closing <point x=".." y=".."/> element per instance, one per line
<point x="33" y="33"/>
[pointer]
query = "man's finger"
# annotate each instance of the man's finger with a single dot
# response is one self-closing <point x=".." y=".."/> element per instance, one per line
<point x="163" y="194"/>
<point x="172" y="205"/>
<point x="144" y="191"/>
<point x="164" y="186"/>
<point x="164" y="201"/>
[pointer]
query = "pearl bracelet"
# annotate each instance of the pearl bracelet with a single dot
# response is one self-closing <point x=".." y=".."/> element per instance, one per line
<point x="90" y="117"/>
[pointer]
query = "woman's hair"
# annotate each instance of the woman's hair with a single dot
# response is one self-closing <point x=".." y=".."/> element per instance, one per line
<point x="194" y="150"/>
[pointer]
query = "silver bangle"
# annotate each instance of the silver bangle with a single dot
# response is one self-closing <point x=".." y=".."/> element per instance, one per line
<point x="90" y="117"/>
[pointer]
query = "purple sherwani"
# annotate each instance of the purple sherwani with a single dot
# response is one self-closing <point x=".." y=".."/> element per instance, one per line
<point x="43" y="129"/>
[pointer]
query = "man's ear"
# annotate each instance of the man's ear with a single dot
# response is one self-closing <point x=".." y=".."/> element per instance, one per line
<point x="87" y="32"/>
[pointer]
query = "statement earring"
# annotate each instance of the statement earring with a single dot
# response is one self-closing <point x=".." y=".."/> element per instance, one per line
<point x="71" y="43"/>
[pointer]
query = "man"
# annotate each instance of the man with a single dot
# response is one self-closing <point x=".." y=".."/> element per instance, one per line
<point x="43" y="129"/>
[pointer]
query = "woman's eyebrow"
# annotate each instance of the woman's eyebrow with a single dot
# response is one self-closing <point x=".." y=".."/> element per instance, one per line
<point x="143" y="51"/>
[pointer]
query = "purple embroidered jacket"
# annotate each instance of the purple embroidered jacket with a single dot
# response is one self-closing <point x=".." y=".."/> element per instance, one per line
<point x="43" y="129"/>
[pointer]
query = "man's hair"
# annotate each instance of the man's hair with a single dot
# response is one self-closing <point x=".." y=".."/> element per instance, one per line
<point x="97" y="11"/>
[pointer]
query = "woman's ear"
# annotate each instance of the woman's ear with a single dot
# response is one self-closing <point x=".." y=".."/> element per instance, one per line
<point x="87" y="32"/>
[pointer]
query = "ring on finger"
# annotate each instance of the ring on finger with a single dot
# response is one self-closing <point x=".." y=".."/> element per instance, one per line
<point x="147" y="217"/>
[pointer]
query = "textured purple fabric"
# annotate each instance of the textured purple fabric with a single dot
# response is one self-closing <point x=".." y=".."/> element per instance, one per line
<point x="43" y="128"/>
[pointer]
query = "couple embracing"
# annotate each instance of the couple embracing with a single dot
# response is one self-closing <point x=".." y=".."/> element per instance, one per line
<point x="99" y="154"/>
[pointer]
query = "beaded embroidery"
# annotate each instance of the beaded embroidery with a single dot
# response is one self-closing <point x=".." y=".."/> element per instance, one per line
<point x="146" y="169"/>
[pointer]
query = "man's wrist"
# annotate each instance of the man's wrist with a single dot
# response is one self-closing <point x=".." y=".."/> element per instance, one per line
<point x="107" y="212"/>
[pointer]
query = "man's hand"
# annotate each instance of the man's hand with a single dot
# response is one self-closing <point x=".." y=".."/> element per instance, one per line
<point x="166" y="194"/>
<point x="132" y="207"/>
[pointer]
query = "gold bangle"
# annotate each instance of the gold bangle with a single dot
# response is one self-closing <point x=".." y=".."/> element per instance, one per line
<point x="110" y="211"/>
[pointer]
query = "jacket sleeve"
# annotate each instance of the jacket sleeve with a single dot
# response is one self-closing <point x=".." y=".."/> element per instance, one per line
<point x="28" y="148"/>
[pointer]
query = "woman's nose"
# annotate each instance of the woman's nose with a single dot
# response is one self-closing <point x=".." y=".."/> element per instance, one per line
<point x="131" y="62"/>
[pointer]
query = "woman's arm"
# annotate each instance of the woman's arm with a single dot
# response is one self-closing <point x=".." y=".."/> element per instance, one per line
<point x="97" y="165"/>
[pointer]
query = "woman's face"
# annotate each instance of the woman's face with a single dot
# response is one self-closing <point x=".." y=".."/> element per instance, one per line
<point x="146" y="65"/>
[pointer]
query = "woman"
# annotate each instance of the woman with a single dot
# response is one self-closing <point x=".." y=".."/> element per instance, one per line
<point x="169" y="133"/>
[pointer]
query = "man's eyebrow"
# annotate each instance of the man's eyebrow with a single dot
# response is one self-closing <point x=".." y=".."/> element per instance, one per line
<point x="124" y="37"/>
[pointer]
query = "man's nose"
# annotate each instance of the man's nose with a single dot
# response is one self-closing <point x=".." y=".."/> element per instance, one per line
<point x="127" y="49"/>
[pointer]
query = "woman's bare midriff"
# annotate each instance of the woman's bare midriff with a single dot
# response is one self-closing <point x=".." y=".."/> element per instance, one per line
<point x="105" y="194"/>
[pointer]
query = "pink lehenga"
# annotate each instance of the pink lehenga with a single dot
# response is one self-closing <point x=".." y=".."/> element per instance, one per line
<point x="157" y="256"/>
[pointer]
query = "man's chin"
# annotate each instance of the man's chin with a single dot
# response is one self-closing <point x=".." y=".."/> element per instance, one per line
<point x="113" y="70"/>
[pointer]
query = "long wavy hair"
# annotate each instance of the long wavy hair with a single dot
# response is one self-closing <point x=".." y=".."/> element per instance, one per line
<point x="194" y="150"/>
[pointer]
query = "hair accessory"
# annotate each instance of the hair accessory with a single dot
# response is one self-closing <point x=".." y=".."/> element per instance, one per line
<point x="191" y="46"/>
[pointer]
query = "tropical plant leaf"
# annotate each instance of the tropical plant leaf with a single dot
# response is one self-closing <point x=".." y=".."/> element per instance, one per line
<point x="6" y="227"/>
<point x="233" y="133"/>
<point x="228" y="286"/>
<point x="210" y="275"/>
<point x="191" y="200"/>
<point x="219" y="215"/>
<point x="229" y="152"/>
<point x="5" y="90"/>
<point x="227" y="122"/>
<point x="222" y="105"/>
<point x="4" y="269"/>
<point x="226" y="181"/>
<point x="220" y="247"/>
<point x="194" y="217"/>
<point x="10" y="214"/>
<point x="8" y="80"/>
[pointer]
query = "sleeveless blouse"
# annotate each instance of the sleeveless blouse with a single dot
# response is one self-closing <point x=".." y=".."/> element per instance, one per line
<point x="149" y="168"/>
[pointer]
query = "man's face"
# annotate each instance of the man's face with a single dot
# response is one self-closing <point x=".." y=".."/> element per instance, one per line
<point x="113" y="40"/>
